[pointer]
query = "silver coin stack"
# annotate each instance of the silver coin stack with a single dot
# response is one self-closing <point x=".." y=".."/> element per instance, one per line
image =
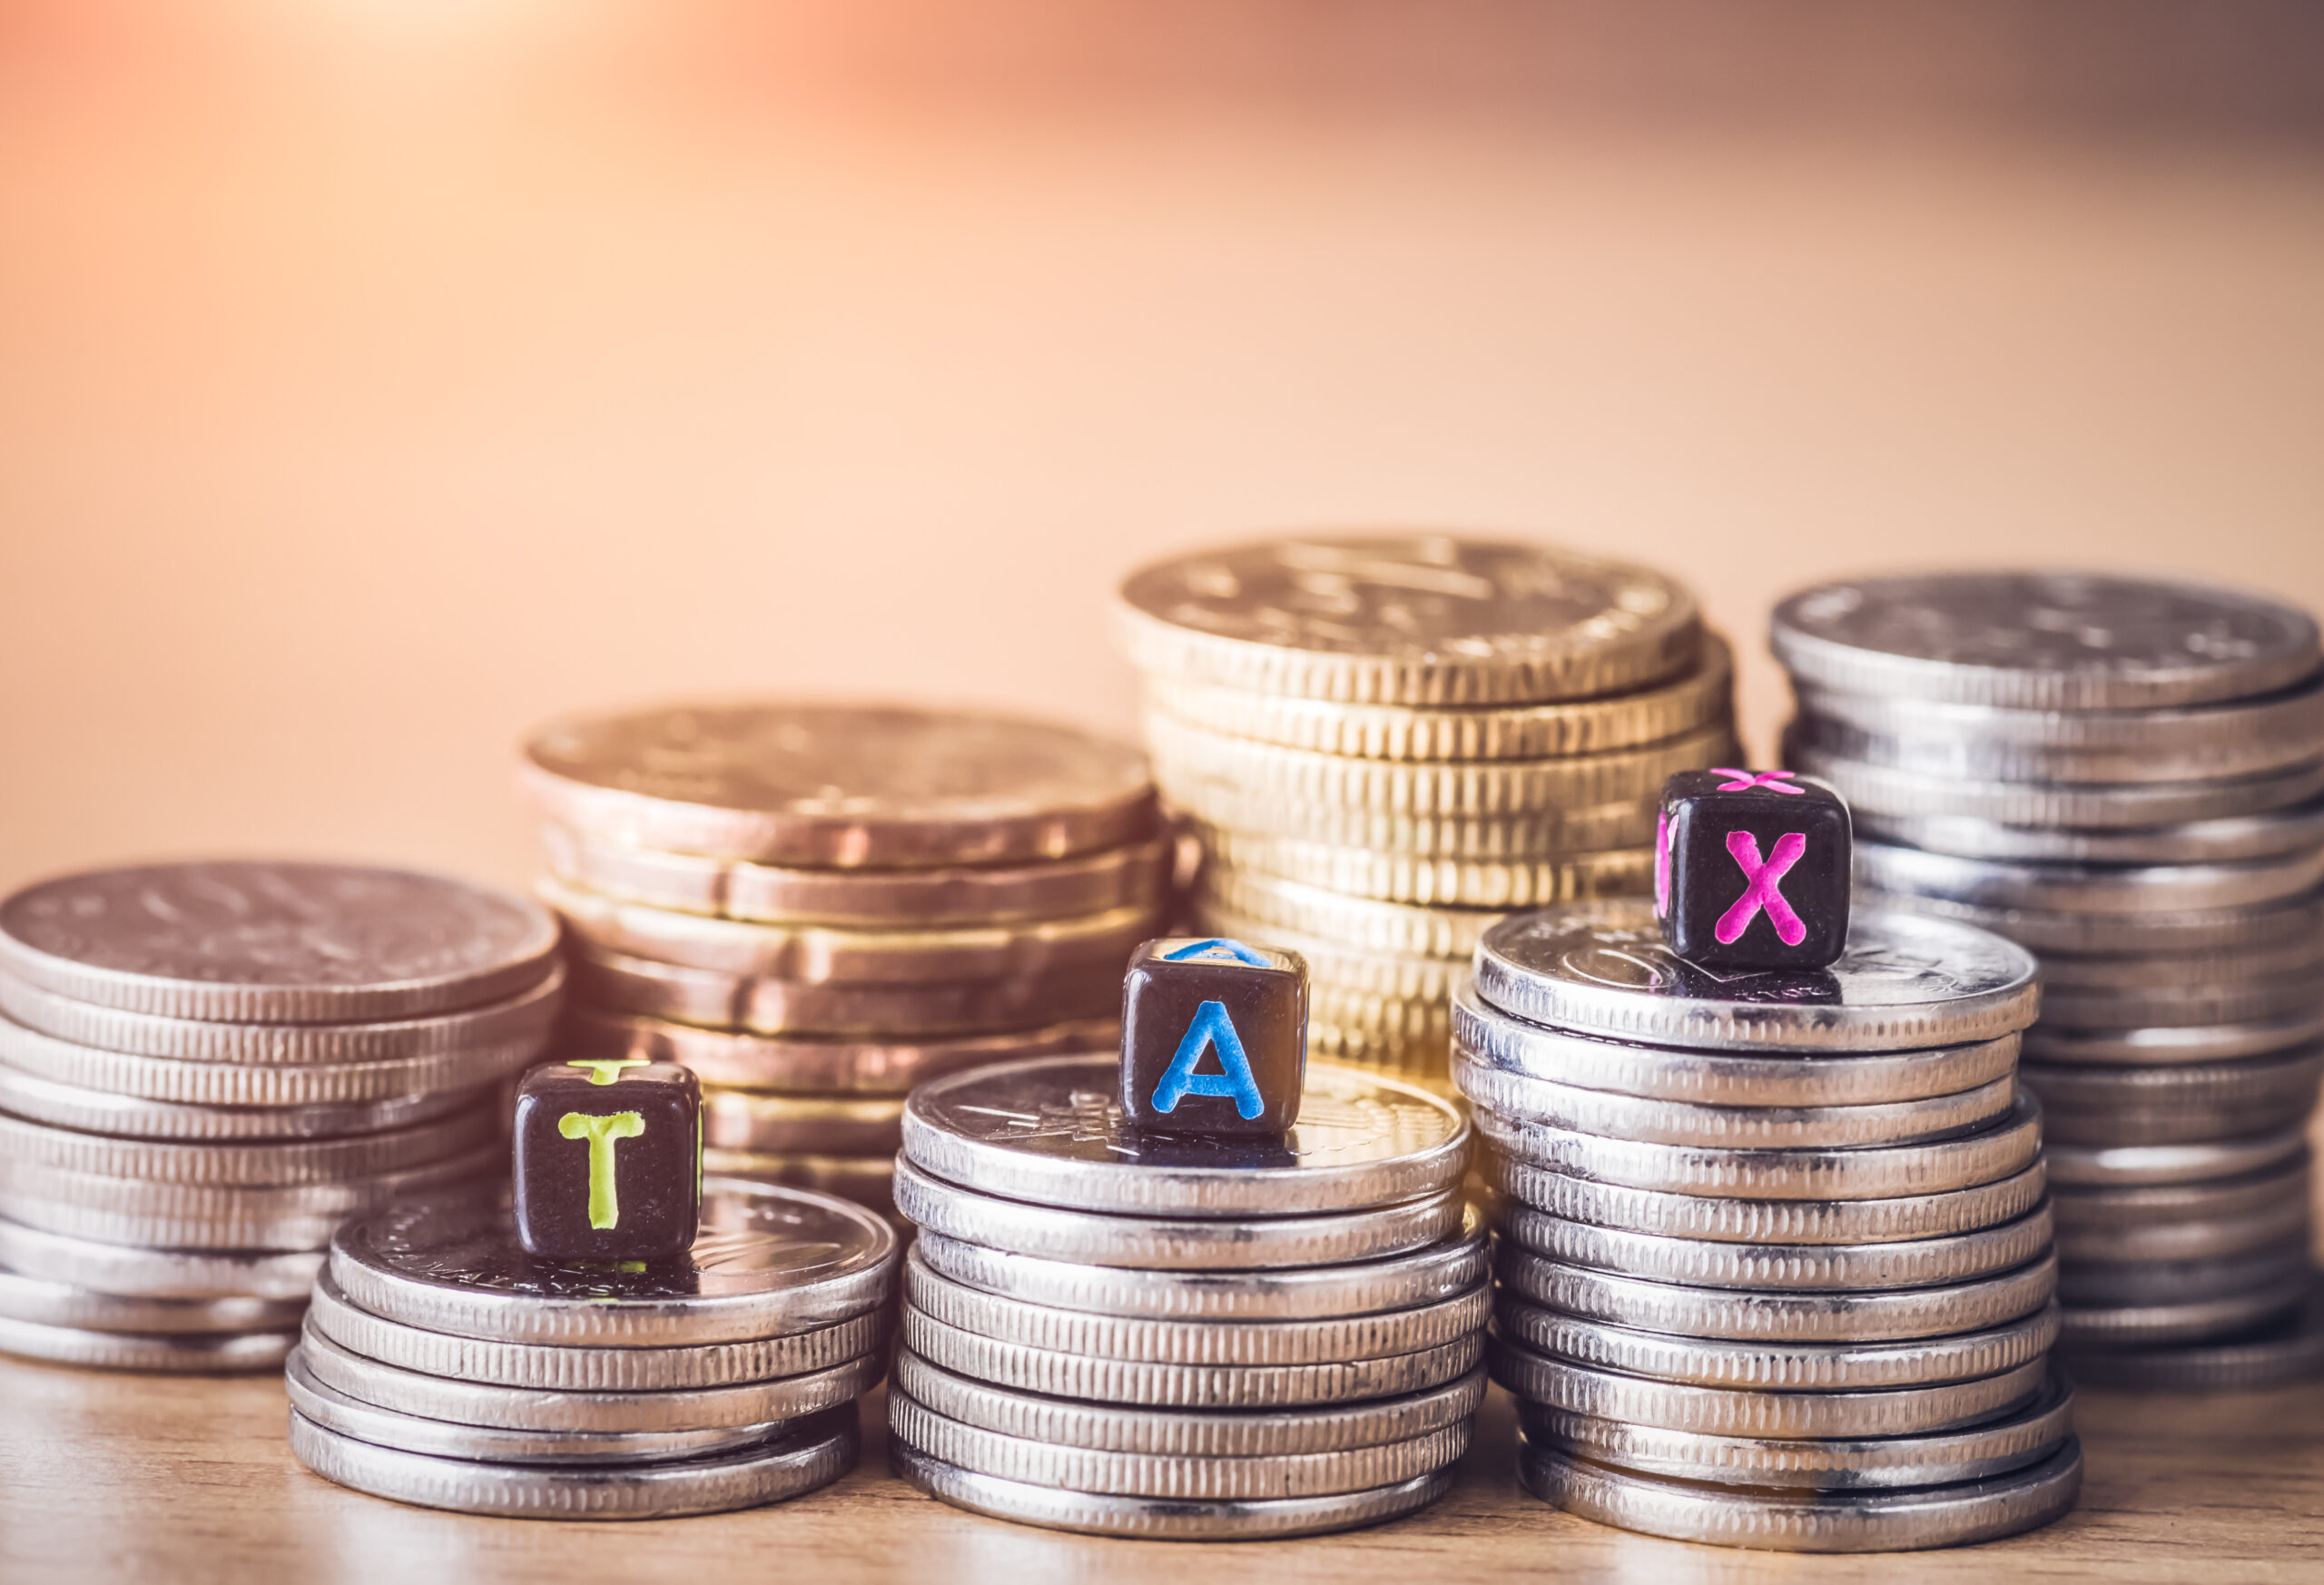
<point x="204" y="1066"/>
<point x="1185" y="1339"/>
<point x="2122" y="776"/>
<point x="1773" y="1259"/>
<point x="443" y="1367"/>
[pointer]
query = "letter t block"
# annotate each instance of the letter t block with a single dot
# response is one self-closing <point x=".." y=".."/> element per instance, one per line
<point x="1214" y="1038"/>
<point x="608" y="1160"/>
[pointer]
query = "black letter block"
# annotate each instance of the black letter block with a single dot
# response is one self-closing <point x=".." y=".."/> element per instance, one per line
<point x="1751" y="869"/>
<point x="1214" y="1038"/>
<point x="608" y="1160"/>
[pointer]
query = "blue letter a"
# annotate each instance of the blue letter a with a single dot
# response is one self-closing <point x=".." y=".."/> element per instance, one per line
<point x="1211" y="1026"/>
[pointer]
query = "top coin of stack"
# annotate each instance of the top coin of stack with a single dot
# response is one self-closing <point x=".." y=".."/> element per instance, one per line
<point x="204" y="1066"/>
<point x="1388" y="740"/>
<point x="816" y="907"/>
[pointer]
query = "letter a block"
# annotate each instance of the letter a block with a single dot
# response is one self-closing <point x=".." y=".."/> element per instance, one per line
<point x="1214" y="1038"/>
<point x="1751" y="869"/>
<point x="608" y="1160"/>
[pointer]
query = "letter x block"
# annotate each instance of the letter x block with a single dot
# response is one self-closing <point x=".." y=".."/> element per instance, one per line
<point x="608" y="1160"/>
<point x="1751" y="869"/>
<point x="1214" y="1038"/>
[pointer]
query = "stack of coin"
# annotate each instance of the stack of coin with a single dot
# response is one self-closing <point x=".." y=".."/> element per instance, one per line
<point x="1185" y="1338"/>
<point x="1773" y="1258"/>
<point x="204" y="1066"/>
<point x="1388" y="743"/>
<point x="2121" y="775"/>
<point x="816" y="907"/>
<point x="442" y="1366"/>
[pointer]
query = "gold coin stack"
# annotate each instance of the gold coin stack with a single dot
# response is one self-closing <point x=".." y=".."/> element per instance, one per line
<point x="1386" y="743"/>
<point x="817" y="906"/>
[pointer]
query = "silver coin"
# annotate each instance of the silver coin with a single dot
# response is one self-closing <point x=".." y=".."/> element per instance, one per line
<point x="2200" y="842"/>
<point x="2285" y="1351"/>
<point x="97" y="1111"/>
<point x="2236" y="734"/>
<point x="1864" y="1316"/>
<point x="1207" y="1478"/>
<point x="2211" y="1200"/>
<point x="2186" y="1240"/>
<point x="335" y="1410"/>
<point x="158" y="1274"/>
<point x="534" y="1409"/>
<point x="2164" y="1124"/>
<point x="2063" y="972"/>
<point x="194" y="1353"/>
<point x="1161" y="1519"/>
<point x="2090" y="888"/>
<point x="274" y="942"/>
<point x="2108" y="1164"/>
<point x="2286" y="1080"/>
<point x="2097" y="1285"/>
<point x="1916" y="1263"/>
<point x="813" y="1455"/>
<point x="1241" y="1433"/>
<point x="1940" y="753"/>
<point x="1051" y="1132"/>
<point x="34" y="1148"/>
<point x="2217" y="931"/>
<point x="2185" y="1006"/>
<point x="1804" y="1172"/>
<point x="48" y="1303"/>
<point x="2022" y="1437"/>
<point x="1426" y="1276"/>
<point x="2042" y="641"/>
<point x="1828" y="1521"/>
<point x="2169" y="1044"/>
<point x="1887" y="794"/>
<point x="2217" y="1316"/>
<point x="1904" y="982"/>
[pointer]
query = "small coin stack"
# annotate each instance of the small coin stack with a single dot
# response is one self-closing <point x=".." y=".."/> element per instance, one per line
<point x="816" y="907"/>
<point x="204" y="1066"/>
<point x="441" y="1365"/>
<point x="1387" y="742"/>
<point x="2122" y="776"/>
<point x="1185" y="1338"/>
<point x="1773" y="1258"/>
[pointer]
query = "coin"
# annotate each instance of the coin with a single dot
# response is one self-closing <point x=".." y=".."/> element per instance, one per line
<point x="2218" y="1198"/>
<point x="864" y="1179"/>
<point x="2286" y="1080"/>
<point x="1904" y="982"/>
<point x="194" y="1353"/>
<point x="1389" y="877"/>
<point x="1392" y="981"/>
<point x="32" y="1148"/>
<point x="2200" y="842"/>
<point x="2217" y="930"/>
<point x="260" y="1084"/>
<point x="738" y="1119"/>
<point x="2166" y="1045"/>
<point x="839" y="785"/>
<point x="2102" y="1285"/>
<point x="2062" y="971"/>
<point x="1909" y="1263"/>
<point x="2185" y="1006"/>
<point x="2084" y="764"/>
<point x="806" y="1065"/>
<point x="273" y="942"/>
<point x="2235" y="735"/>
<point x="2163" y="1125"/>
<point x="1414" y="618"/>
<point x="158" y="1274"/>
<point x="1886" y="792"/>
<point x="1628" y="823"/>
<point x="1827" y="1521"/>
<point x="2290" y="1349"/>
<point x="1051" y="1132"/>
<point x="813" y="1455"/>
<point x="2188" y="1239"/>
<point x="2042" y="641"/>
<point x="96" y="1111"/>
<point x="2096" y="1165"/>
<point x="2217" y="1316"/>
<point x="1367" y="926"/>
<point x="48" y="1303"/>
<point x="2090" y="888"/>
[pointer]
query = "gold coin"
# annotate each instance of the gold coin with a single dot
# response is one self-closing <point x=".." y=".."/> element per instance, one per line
<point x="1451" y="882"/>
<point x="841" y="785"/>
<point x="1543" y="834"/>
<point x="735" y="1119"/>
<point x="868" y="1180"/>
<point x="811" y="1065"/>
<point x="1411" y="619"/>
<point x="1394" y="975"/>
<point x="1401" y="929"/>
<point x="1703" y="698"/>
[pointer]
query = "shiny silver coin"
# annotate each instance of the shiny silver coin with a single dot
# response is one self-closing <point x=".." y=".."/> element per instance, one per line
<point x="771" y="1261"/>
<point x="2103" y="1165"/>
<point x="2288" y="1350"/>
<point x="1491" y="1038"/>
<point x="1887" y="792"/>
<point x="2099" y="1285"/>
<point x="2216" y="930"/>
<point x="2184" y="1006"/>
<point x="2200" y="842"/>
<point x="274" y="942"/>
<point x="1161" y="1519"/>
<point x="1051" y="1132"/>
<point x="96" y="1111"/>
<point x="1859" y="1317"/>
<point x="2164" y="1045"/>
<point x="1828" y="1521"/>
<point x="2214" y="1317"/>
<point x="2284" y="1083"/>
<point x="47" y="1303"/>
<point x="2211" y="1199"/>
<point x="2186" y="1240"/>
<point x="811" y="1455"/>
<point x="532" y="1409"/>
<point x="2090" y="888"/>
<point x="1904" y="982"/>
<point x="1426" y="1276"/>
<point x="2042" y="641"/>
<point x="1237" y="1433"/>
<point x="1780" y="1267"/>
<point x="2024" y="1436"/>
<point x="1175" y="1476"/>
<point x="2231" y="738"/>
<point x="34" y="1148"/>
<point x="134" y="1272"/>
<point x="215" y="1353"/>
<point x="2063" y="972"/>
<point x="352" y="1417"/>
<point x="1903" y="748"/>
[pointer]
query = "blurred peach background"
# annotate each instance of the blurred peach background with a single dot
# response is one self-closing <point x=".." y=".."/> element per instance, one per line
<point x="380" y="377"/>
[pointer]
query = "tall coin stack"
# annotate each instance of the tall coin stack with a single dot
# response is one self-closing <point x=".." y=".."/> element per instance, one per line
<point x="1185" y="1338"/>
<point x="441" y="1365"/>
<point x="1387" y="742"/>
<point x="1773" y="1258"/>
<point x="816" y="907"/>
<point x="2122" y="776"/>
<point x="204" y="1066"/>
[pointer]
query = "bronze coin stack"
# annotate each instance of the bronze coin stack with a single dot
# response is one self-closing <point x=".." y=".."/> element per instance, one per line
<point x="816" y="907"/>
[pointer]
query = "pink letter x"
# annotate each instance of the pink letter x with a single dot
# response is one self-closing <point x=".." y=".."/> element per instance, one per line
<point x="1746" y="780"/>
<point x="1761" y="892"/>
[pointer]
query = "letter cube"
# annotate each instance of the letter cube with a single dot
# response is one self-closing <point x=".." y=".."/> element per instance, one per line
<point x="1214" y="1038"/>
<point x="1751" y="869"/>
<point x="608" y="1160"/>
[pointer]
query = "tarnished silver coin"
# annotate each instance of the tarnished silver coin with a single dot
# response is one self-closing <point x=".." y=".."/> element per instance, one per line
<point x="2163" y="1125"/>
<point x="33" y="1148"/>
<point x="771" y="1261"/>
<point x="136" y="1271"/>
<point x="1051" y="1132"/>
<point x="2288" y="1350"/>
<point x="2080" y="764"/>
<point x="48" y="1303"/>
<point x="2167" y="1044"/>
<point x="1904" y="982"/>
<point x="2188" y="1239"/>
<point x="2209" y="1199"/>
<point x="811" y="1456"/>
<point x="190" y="1353"/>
<point x="1980" y="1510"/>
<point x="2197" y="841"/>
<point x="123" y="1116"/>
<point x="2090" y="888"/>
<point x="2285" y="1081"/>
<point x="2098" y="1285"/>
<point x="2066" y="972"/>
<point x="1888" y="793"/>
<point x="274" y="941"/>
<point x="2100" y="1166"/>
<point x="2214" y="1317"/>
<point x="2216" y="930"/>
<point x="2185" y="1006"/>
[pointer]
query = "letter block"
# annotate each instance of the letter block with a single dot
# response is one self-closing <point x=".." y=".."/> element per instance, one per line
<point x="1752" y="869"/>
<point x="608" y="1160"/>
<point x="1214" y="1038"/>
